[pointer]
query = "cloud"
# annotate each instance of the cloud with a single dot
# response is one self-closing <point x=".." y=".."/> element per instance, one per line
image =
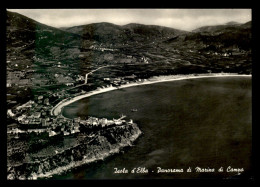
<point x="186" y="19"/>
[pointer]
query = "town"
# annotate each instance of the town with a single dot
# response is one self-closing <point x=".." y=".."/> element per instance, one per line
<point x="36" y="117"/>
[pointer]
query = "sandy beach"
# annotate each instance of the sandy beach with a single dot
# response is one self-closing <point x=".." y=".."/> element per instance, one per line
<point x="56" y="110"/>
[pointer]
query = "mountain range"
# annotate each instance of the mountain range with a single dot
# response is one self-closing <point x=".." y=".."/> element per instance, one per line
<point x="108" y="32"/>
<point x="22" y="30"/>
<point x="228" y="26"/>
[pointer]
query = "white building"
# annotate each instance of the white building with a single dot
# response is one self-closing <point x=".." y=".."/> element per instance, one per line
<point x="10" y="113"/>
<point x="104" y="121"/>
<point x="69" y="84"/>
<point x="52" y="133"/>
<point x="20" y="118"/>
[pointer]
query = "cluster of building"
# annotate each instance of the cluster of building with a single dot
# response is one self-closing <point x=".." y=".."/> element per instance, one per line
<point x="128" y="59"/>
<point x="123" y="80"/>
<point x="34" y="116"/>
<point x="17" y="78"/>
<point x="219" y="54"/>
<point x="144" y="60"/>
<point x="52" y="125"/>
<point x="31" y="111"/>
<point x="99" y="48"/>
<point x="62" y="125"/>
<point x="102" y="122"/>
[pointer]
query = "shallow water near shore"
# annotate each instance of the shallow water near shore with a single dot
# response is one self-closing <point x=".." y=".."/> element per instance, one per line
<point x="189" y="123"/>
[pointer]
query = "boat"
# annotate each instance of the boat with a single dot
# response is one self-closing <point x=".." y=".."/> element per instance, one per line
<point x="134" y="110"/>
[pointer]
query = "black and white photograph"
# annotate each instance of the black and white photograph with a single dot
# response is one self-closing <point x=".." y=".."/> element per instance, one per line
<point x="129" y="93"/>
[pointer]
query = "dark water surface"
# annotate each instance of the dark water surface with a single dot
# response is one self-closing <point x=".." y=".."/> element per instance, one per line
<point x="190" y="123"/>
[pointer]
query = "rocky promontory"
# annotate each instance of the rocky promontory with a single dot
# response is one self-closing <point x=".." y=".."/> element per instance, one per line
<point x="43" y="156"/>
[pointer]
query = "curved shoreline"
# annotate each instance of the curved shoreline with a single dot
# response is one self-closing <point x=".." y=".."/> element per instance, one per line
<point x="56" y="110"/>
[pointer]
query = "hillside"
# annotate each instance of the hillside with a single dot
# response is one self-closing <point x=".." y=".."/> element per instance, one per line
<point x="223" y="37"/>
<point x="23" y="30"/>
<point x="107" y="32"/>
<point x="32" y="53"/>
<point x="28" y="40"/>
<point x="228" y="26"/>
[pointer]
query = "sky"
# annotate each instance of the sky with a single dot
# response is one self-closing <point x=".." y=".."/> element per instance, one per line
<point x="184" y="19"/>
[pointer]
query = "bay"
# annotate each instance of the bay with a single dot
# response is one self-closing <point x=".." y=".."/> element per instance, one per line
<point x="204" y="123"/>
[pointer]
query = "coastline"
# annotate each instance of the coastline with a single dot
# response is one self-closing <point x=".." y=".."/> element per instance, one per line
<point x="74" y="164"/>
<point x="128" y="142"/>
<point x="56" y="110"/>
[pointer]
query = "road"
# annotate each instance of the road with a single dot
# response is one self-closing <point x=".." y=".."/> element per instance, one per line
<point x="87" y="76"/>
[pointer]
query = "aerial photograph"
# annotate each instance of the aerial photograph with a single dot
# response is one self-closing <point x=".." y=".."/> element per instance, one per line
<point x="129" y="94"/>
